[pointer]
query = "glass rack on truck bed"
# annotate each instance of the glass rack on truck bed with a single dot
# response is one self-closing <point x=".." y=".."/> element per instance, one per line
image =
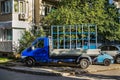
<point x="74" y="36"/>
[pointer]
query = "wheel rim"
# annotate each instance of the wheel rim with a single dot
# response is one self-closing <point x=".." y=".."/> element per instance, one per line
<point x="29" y="62"/>
<point x="118" y="59"/>
<point x="84" y="64"/>
<point x="107" y="62"/>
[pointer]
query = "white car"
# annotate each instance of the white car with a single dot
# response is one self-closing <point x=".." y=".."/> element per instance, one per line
<point x="113" y="50"/>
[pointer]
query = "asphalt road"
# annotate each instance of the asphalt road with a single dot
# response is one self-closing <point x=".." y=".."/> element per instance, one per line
<point x="104" y="75"/>
<point x="10" y="75"/>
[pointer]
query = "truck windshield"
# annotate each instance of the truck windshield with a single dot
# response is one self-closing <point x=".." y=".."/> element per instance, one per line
<point x="38" y="44"/>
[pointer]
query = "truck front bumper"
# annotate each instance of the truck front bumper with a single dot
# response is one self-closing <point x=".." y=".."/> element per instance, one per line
<point x="23" y="58"/>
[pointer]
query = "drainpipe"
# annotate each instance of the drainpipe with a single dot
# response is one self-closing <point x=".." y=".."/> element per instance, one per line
<point x="33" y="11"/>
<point x="36" y="12"/>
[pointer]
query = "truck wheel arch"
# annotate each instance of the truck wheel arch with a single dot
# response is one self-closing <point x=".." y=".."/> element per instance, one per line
<point x="84" y="57"/>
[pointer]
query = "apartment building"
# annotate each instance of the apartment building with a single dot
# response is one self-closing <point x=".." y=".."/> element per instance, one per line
<point x="19" y="15"/>
<point x="15" y="17"/>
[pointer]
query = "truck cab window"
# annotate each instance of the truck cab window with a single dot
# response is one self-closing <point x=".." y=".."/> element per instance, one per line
<point x="40" y="43"/>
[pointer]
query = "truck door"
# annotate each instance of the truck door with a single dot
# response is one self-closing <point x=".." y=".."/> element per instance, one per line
<point x="41" y="53"/>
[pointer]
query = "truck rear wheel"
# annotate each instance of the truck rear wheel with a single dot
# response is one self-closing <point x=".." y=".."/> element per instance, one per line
<point x="29" y="61"/>
<point x="84" y="63"/>
<point x="106" y="62"/>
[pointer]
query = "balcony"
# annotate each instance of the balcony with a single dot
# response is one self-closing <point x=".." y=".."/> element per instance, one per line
<point x="5" y="46"/>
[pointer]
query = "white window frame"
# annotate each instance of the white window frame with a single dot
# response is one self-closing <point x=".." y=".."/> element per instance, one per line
<point x="45" y="9"/>
<point x="1" y="34"/>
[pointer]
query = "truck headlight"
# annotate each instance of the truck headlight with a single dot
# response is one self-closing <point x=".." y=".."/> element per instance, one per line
<point x="23" y="57"/>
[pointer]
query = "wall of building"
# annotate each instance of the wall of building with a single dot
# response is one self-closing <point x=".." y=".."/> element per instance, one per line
<point x="20" y="25"/>
<point x="27" y="21"/>
<point x="17" y="25"/>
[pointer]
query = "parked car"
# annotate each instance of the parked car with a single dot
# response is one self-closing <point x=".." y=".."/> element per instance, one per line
<point x="113" y="50"/>
<point x="103" y="58"/>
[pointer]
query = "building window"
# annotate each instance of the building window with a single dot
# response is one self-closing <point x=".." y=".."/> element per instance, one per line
<point x="46" y="9"/>
<point x="110" y="1"/>
<point x="6" y="6"/>
<point x="16" y="8"/>
<point x="8" y="34"/>
<point x="20" y="6"/>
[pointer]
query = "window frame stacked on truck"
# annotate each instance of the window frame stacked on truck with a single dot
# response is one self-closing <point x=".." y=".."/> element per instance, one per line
<point x="82" y="36"/>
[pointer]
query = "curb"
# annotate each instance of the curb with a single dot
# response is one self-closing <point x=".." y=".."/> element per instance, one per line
<point x="31" y="72"/>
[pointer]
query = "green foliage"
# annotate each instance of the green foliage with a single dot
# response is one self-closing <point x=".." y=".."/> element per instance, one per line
<point x="98" y="12"/>
<point x="26" y="40"/>
<point x="28" y="37"/>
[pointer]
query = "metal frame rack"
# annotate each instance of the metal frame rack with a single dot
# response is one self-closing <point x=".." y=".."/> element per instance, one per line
<point x="74" y="36"/>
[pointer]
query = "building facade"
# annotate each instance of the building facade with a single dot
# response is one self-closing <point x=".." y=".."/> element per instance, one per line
<point x="15" y="17"/>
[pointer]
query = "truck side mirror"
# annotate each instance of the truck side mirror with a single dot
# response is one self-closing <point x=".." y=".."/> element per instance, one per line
<point x="32" y="47"/>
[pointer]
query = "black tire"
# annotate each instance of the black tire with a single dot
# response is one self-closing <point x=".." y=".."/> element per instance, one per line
<point x="84" y="63"/>
<point x="118" y="59"/>
<point x="106" y="62"/>
<point x="29" y="62"/>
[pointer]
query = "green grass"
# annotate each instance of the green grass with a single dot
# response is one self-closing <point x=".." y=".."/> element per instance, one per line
<point x="4" y="60"/>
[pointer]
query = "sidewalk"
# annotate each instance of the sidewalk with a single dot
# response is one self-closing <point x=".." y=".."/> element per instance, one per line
<point x="56" y="71"/>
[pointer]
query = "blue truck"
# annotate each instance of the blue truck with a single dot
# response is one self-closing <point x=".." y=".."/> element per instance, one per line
<point x="68" y="49"/>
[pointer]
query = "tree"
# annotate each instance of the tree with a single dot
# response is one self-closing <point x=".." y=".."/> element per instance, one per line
<point x="28" y="37"/>
<point x="98" y="12"/>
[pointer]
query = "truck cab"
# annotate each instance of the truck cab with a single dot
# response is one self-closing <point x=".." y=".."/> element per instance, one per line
<point x="38" y="51"/>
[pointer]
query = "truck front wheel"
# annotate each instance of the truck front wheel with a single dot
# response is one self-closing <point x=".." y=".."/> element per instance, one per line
<point x="29" y="61"/>
<point x="84" y="63"/>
